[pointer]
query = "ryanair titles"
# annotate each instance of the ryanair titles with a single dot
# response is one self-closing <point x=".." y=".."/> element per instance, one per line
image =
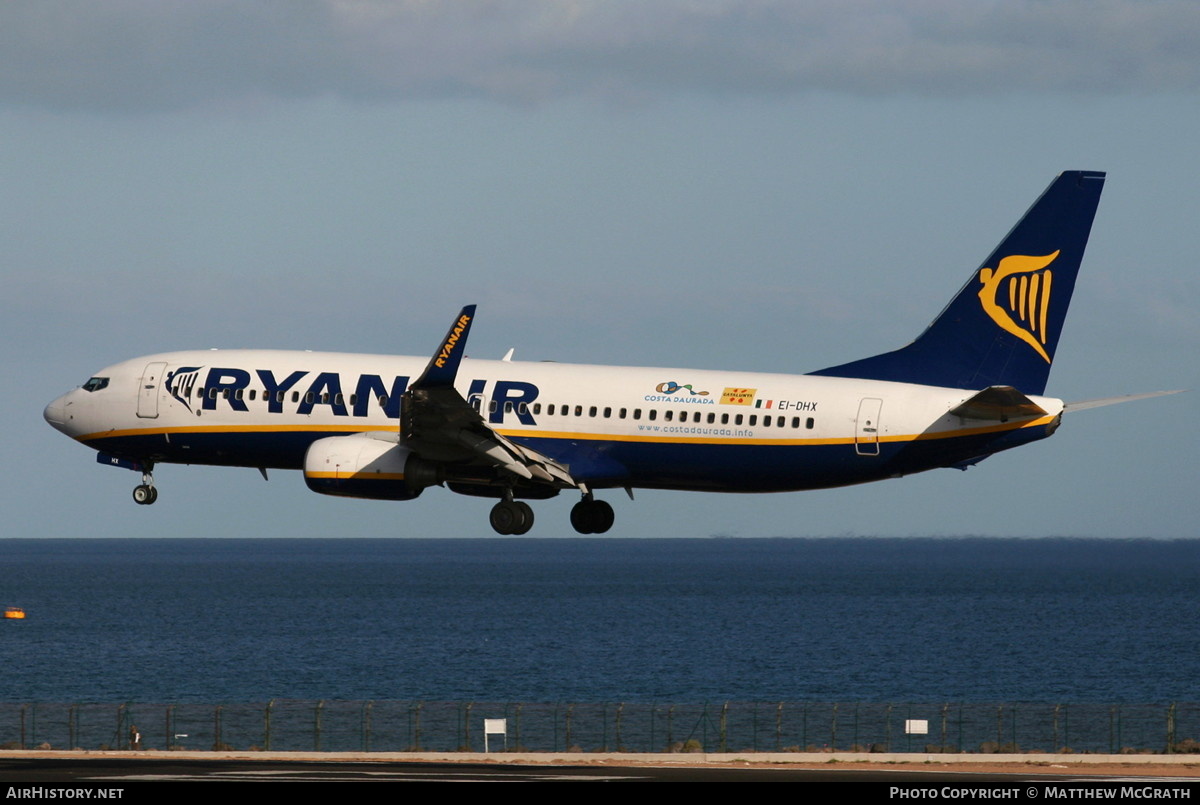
<point x="452" y="340"/>
<point x="303" y="392"/>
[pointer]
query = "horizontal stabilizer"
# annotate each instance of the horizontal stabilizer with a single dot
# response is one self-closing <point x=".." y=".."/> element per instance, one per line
<point x="1084" y="404"/>
<point x="998" y="404"/>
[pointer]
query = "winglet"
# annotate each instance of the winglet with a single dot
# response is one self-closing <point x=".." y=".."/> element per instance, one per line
<point x="443" y="367"/>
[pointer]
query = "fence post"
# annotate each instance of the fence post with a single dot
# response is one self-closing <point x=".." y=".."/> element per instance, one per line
<point x="945" y="718"/>
<point x="417" y="726"/>
<point x="653" y="713"/>
<point x="887" y="731"/>
<point x="569" y="716"/>
<point x="604" y="724"/>
<point x="754" y="728"/>
<point x="217" y="729"/>
<point x="1112" y="714"/>
<point x="1066" y="725"/>
<point x="779" y="728"/>
<point x="619" y="716"/>
<point x="366" y="726"/>
<point x="267" y="725"/>
<point x="1013" y="708"/>
<point x="517" y="720"/>
<point x="833" y="729"/>
<point x="804" y="727"/>
<point x="71" y="724"/>
<point x="724" y="743"/>
<point x="1057" y="746"/>
<point x="960" y="726"/>
<point x="854" y="731"/>
<point x="1171" y="729"/>
<point x="467" y="726"/>
<point x="317" y="725"/>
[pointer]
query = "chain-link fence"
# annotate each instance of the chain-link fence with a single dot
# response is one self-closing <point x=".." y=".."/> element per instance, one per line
<point x="391" y="726"/>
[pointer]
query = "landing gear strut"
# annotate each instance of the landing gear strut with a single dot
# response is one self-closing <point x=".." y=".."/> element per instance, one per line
<point x="145" y="493"/>
<point x="591" y="516"/>
<point x="511" y="516"/>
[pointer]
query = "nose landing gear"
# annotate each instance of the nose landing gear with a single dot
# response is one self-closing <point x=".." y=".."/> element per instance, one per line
<point x="145" y="493"/>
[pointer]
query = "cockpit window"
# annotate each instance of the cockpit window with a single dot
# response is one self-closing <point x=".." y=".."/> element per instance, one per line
<point x="95" y="384"/>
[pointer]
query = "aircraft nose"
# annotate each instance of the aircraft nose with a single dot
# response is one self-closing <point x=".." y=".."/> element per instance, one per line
<point x="56" y="414"/>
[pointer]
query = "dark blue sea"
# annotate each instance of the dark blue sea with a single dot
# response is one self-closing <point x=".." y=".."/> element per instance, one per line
<point x="601" y="620"/>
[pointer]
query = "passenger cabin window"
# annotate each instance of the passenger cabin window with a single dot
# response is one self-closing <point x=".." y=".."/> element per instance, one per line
<point x="809" y="423"/>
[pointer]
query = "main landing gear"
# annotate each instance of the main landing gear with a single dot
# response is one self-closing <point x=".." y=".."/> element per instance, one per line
<point x="591" y="516"/>
<point x="588" y="516"/>
<point x="511" y="516"/>
<point x="145" y="493"/>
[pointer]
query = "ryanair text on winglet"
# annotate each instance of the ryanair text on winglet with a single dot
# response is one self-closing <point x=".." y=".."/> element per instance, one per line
<point x="452" y="341"/>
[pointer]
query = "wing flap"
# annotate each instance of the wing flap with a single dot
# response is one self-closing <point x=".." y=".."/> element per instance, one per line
<point x="438" y="424"/>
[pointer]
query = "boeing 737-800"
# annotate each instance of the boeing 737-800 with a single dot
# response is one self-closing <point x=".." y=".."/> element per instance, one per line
<point x="360" y="425"/>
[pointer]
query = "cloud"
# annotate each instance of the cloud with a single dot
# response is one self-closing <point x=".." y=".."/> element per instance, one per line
<point x="151" y="55"/>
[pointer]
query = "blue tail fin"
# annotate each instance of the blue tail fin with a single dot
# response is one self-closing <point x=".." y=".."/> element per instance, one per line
<point x="1003" y="326"/>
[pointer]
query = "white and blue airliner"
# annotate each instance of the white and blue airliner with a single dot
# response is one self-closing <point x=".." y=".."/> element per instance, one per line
<point x="388" y="427"/>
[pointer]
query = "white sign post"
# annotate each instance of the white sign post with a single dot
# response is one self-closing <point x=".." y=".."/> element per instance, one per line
<point x="494" y="726"/>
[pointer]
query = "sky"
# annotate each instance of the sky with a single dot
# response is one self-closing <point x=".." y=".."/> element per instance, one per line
<point x="741" y="184"/>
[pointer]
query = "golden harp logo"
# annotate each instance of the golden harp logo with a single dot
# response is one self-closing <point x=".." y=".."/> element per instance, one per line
<point x="1017" y="297"/>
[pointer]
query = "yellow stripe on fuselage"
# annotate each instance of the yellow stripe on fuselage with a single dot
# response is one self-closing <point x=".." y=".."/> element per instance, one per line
<point x="582" y="436"/>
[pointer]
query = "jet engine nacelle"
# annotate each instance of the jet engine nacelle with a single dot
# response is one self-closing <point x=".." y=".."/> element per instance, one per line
<point x="362" y="466"/>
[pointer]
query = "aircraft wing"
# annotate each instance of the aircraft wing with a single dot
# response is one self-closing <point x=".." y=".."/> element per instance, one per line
<point x="437" y="423"/>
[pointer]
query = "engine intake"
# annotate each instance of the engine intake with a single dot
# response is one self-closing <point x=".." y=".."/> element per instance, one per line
<point x="361" y="466"/>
